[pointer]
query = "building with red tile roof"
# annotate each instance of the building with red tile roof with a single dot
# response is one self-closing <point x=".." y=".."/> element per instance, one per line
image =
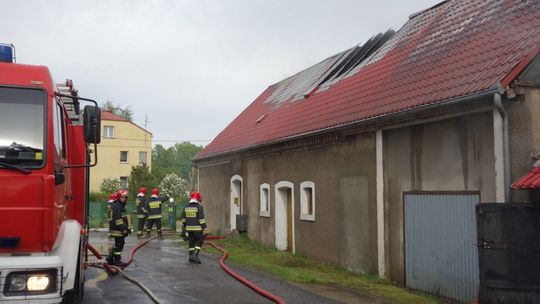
<point x="368" y="157"/>
<point x="124" y="144"/>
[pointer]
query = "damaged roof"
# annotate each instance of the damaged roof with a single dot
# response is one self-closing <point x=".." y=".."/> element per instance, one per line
<point x="456" y="48"/>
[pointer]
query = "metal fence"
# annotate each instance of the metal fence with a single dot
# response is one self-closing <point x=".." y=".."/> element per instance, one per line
<point x="98" y="217"/>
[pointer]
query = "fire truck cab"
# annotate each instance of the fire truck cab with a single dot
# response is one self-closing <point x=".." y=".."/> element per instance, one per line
<point x="44" y="165"/>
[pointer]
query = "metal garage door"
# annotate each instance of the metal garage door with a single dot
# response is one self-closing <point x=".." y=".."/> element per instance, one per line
<point x="441" y="256"/>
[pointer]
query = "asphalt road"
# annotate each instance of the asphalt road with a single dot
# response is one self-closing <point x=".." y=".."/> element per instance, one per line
<point x="164" y="268"/>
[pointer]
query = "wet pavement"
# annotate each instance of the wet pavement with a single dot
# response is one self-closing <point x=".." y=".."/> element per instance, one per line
<point x="164" y="268"/>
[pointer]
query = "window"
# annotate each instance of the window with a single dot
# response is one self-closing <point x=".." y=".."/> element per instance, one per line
<point x="265" y="200"/>
<point x="123" y="156"/>
<point x="307" y="201"/>
<point x="22" y="126"/>
<point x="142" y="157"/>
<point x="123" y="182"/>
<point x="58" y="125"/>
<point x="108" y="131"/>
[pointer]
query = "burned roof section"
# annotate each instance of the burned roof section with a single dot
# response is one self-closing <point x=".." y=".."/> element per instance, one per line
<point x="454" y="49"/>
<point x="307" y="82"/>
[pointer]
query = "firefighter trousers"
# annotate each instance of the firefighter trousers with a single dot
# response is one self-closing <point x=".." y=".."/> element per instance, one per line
<point x="150" y="224"/>
<point x="196" y="239"/>
<point x="119" y="243"/>
<point x="140" y="226"/>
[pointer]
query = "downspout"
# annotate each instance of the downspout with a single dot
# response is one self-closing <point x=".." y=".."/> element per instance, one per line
<point x="497" y="101"/>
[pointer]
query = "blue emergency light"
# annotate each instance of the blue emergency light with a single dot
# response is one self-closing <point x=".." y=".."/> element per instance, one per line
<point x="7" y="52"/>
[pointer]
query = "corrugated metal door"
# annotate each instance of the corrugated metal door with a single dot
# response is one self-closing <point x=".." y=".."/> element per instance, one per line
<point x="441" y="256"/>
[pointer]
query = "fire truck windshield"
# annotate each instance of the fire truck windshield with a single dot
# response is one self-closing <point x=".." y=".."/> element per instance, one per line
<point x="22" y="116"/>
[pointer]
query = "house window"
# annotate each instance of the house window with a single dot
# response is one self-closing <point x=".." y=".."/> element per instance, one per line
<point x="142" y="157"/>
<point x="108" y="131"/>
<point x="307" y="201"/>
<point x="265" y="200"/>
<point x="123" y="156"/>
<point x="123" y="182"/>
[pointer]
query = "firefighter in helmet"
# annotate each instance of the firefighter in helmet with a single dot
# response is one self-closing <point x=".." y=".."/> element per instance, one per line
<point x="153" y="207"/>
<point x="194" y="224"/>
<point x="118" y="227"/>
<point x="140" y="202"/>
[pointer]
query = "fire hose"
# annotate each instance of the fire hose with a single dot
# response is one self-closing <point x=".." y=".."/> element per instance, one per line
<point x="240" y="278"/>
<point x="119" y="269"/>
<point x="113" y="270"/>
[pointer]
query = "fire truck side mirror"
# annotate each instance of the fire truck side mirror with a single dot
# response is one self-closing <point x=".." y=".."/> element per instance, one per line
<point x="92" y="124"/>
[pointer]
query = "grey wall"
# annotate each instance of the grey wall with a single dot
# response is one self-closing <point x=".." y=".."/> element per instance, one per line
<point x="344" y="230"/>
<point x="450" y="155"/>
<point x="524" y="125"/>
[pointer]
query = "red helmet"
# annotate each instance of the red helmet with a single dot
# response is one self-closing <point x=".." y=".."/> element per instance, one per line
<point x="121" y="193"/>
<point x="155" y="191"/>
<point x="142" y="190"/>
<point x="112" y="196"/>
<point x="196" y="195"/>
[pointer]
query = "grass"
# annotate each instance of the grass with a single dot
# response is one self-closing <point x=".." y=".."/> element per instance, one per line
<point x="302" y="269"/>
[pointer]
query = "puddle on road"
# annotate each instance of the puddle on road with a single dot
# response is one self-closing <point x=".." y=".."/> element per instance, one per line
<point x="92" y="283"/>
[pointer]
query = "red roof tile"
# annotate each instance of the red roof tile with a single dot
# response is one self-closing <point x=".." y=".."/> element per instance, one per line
<point x="108" y="115"/>
<point x="529" y="181"/>
<point x="454" y="49"/>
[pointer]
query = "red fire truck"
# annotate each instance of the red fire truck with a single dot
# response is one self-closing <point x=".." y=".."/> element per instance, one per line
<point x="45" y="155"/>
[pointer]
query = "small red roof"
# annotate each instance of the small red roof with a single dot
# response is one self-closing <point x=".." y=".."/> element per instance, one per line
<point x="529" y="181"/>
<point x="108" y="115"/>
<point x="454" y="49"/>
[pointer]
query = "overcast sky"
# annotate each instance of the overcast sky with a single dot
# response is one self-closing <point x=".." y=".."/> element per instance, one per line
<point x="191" y="66"/>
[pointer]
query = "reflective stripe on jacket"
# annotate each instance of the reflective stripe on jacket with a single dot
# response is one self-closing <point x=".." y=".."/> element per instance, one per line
<point x="118" y="221"/>
<point x="140" y="202"/>
<point x="193" y="217"/>
<point x="153" y="206"/>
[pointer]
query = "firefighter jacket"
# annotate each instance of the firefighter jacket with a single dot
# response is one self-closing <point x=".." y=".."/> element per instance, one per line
<point x="153" y="206"/>
<point x="119" y="221"/>
<point x="140" y="202"/>
<point x="193" y="217"/>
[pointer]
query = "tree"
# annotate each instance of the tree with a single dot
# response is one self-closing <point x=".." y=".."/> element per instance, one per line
<point x="176" y="159"/>
<point x="110" y="185"/>
<point x="117" y="109"/>
<point x="174" y="186"/>
<point x="141" y="177"/>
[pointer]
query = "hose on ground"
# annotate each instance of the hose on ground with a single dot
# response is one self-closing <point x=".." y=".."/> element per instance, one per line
<point x="108" y="267"/>
<point x="240" y="278"/>
<point x="119" y="269"/>
<point x="138" y="283"/>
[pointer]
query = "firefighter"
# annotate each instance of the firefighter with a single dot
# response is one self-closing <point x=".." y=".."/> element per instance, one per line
<point x="194" y="224"/>
<point x="140" y="202"/>
<point x="118" y="227"/>
<point x="153" y="207"/>
<point x="112" y="198"/>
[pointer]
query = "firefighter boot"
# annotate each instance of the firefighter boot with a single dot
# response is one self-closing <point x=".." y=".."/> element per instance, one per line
<point x="196" y="257"/>
<point x="192" y="256"/>
<point x="110" y="260"/>
<point x="160" y="235"/>
<point x="117" y="260"/>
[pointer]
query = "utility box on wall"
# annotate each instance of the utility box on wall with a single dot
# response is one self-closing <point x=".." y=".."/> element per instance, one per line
<point x="241" y="222"/>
